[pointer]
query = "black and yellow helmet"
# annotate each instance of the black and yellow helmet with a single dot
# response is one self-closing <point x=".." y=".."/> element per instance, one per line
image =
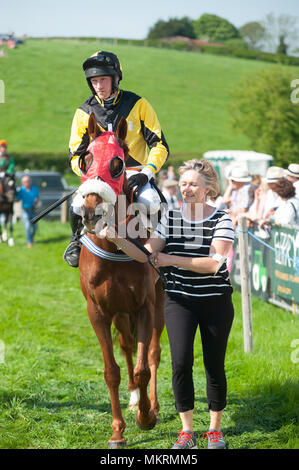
<point x="103" y="63"/>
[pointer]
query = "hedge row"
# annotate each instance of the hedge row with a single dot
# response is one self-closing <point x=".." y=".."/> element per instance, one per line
<point x="45" y="161"/>
<point x="225" y="50"/>
<point x="185" y="46"/>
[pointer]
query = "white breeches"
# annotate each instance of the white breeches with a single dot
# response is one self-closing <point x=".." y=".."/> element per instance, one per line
<point x="147" y="196"/>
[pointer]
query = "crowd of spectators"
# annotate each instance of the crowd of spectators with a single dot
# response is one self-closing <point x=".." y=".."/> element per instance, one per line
<point x="273" y="198"/>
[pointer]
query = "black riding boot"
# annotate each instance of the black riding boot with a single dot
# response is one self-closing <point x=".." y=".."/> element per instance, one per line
<point x="72" y="253"/>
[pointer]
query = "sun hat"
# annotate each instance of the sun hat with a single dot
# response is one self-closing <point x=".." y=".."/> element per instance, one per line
<point x="274" y="173"/>
<point x="170" y="183"/>
<point x="240" y="175"/>
<point x="3" y="142"/>
<point x="293" y="170"/>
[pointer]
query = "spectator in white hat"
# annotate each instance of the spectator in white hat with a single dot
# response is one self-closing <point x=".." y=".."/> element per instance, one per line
<point x="170" y="190"/>
<point x="292" y="174"/>
<point x="239" y="194"/>
<point x="274" y="173"/>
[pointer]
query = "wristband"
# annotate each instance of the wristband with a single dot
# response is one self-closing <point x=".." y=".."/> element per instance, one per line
<point x="148" y="172"/>
<point x="221" y="260"/>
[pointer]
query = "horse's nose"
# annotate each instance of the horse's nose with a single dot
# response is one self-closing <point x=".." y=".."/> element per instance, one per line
<point x="89" y="217"/>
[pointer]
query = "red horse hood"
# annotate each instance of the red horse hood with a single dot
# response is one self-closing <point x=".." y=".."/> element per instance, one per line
<point x="98" y="178"/>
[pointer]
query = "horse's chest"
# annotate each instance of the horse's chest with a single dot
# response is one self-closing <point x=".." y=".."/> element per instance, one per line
<point x="116" y="293"/>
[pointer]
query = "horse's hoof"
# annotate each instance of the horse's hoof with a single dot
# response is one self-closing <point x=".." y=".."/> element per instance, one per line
<point x="158" y="420"/>
<point x="116" y="444"/>
<point x="11" y="242"/>
<point x="147" y="427"/>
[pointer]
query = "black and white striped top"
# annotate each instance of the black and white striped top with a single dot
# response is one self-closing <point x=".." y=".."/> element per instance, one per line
<point x="191" y="239"/>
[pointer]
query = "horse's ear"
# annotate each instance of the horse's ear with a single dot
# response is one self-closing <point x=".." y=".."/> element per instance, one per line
<point x="93" y="128"/>
<point x="121" y="131"/>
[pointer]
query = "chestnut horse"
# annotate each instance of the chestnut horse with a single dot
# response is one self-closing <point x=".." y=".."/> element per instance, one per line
<point x="123" y="293"/>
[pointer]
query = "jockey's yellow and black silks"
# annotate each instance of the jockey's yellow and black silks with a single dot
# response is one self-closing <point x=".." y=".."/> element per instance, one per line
<point x="143" y="129"/>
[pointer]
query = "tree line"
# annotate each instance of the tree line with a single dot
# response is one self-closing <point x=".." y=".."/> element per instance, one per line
<point x="273" y="34"/>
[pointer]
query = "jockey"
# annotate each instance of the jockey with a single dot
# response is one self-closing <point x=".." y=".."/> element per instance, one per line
<point x="7" y="162"/>
<point x="109" y="103"/>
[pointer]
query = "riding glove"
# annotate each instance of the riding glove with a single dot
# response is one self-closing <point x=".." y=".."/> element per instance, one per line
<point x="137" y="181"/>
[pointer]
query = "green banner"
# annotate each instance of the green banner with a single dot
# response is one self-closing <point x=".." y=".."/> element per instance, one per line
<point x="273" y="264"/>
<point x="283" y="262"/>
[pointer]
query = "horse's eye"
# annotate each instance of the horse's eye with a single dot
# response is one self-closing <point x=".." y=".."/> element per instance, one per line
<point x="116" y="167"/>
<point x="85" y="162"/>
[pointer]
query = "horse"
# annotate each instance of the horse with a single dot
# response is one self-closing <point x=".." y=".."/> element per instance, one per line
<point x="7" y="198"/>
<point x="123" y="293"/>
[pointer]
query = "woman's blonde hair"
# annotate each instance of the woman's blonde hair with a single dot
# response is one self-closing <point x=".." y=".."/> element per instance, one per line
<point x="207" y="172"/>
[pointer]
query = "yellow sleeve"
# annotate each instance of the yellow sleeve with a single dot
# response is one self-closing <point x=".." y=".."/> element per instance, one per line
<point x="153" y="136"/>
<point x="79" y="139"/>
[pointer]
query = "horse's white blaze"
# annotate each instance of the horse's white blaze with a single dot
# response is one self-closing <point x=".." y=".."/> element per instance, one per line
<point x="134" y="398"/>
<point x="98" y="187"/>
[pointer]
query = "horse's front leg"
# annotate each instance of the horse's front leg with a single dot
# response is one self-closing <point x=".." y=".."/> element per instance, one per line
<point x="146" y="418"/>
<point x="102" y="328"/>
<point x="126" y="341"/>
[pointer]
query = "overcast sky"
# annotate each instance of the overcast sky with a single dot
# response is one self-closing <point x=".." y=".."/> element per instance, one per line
<point x="124" y="18"/>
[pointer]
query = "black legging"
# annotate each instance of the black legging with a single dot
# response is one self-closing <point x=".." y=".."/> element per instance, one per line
<point x="214" y="316"/>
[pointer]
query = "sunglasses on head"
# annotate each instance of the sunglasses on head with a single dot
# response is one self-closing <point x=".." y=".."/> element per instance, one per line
<point x="198" y="166"/>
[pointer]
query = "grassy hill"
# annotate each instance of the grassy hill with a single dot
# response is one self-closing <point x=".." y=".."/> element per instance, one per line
<point x="44" y="84"/>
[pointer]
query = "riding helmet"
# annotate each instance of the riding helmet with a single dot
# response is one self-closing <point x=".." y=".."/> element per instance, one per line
<point x="103" y="63"/>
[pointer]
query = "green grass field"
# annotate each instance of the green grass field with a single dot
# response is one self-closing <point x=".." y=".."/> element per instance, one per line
<point x="44" y="84"/>
<point x="52" y="389"/>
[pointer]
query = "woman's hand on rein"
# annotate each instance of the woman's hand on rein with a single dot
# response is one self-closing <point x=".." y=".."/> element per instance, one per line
<point x="160" y="259"/>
